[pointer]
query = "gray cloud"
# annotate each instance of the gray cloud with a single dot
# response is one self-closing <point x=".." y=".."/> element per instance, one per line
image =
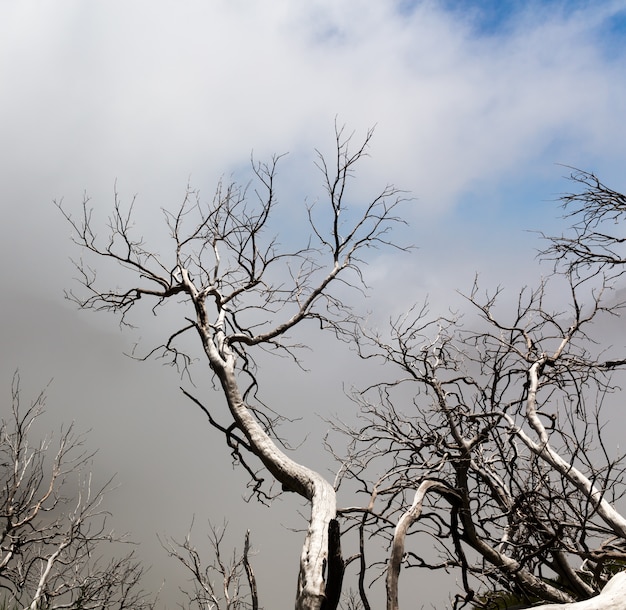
<point x="153" y="94"/>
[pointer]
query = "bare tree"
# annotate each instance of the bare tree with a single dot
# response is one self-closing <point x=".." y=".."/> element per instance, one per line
<point x="484" y="438"/>
<point x="53" y="530"/>
<point x="490" y="435"/>
<point x="242" y="293"/>
<point x="217" y="583"/>
<point x="594" y="244"/>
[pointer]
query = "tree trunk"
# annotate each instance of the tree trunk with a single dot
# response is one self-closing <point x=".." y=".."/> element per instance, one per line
<point x="612" y="597"/>
<point x="294" y="477"/>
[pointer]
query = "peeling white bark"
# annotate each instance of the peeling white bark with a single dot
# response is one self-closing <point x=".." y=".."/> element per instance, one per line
<point x="293" y="476"/>
<point x="314" y="557"/>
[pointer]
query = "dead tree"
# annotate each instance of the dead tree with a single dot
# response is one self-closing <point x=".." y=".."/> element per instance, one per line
<point x="594" y="243"/>
<point x="490" y="434"/>
<point x="53" y="528"/>
<point x="242" y="293"/>
<point x="217" y="583"/>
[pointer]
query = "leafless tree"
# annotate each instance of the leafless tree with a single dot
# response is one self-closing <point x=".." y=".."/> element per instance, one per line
<point x="54" y="538"/>
<point x="490" y="435"/>
<point x="217" y="582"/>
<point x="596" y="241"/>
<point x="241" y="293"/>
<point x="485" y="438"/>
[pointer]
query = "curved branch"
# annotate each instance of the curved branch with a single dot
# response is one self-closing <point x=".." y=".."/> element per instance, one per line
<point x="399" y="535"/>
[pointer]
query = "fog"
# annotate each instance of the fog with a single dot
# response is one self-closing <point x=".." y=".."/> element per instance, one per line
<point x="474" y="107"/>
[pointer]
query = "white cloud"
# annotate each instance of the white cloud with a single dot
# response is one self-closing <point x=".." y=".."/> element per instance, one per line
<point x="153" y="91"/>
<point x="162" y="88"/>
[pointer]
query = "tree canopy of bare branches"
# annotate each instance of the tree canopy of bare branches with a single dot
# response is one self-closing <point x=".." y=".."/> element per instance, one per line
<point x="595" y="241"/>
<point x="217" y="582"/>
<point x="489" y="435"/>
<point x="53" y="528"/>
<point x="243" y="292"/>
<point x="484" y="437"/>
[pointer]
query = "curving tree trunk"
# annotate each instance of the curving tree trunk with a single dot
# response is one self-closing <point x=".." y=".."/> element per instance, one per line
<point x="244" y="292"/>
<point x="292" y="475"/>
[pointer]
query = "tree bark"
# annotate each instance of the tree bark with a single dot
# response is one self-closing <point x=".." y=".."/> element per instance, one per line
<point x="336" y="567"/>
<point x="399" y="536"/>
<point x="612" y="597"/>
<point x="293" y="476"/>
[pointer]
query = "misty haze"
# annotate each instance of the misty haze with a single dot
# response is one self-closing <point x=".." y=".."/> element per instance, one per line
<point x="326" y="299"/>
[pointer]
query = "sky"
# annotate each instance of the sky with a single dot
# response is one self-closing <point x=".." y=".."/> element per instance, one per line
<point x="478" y="106"/>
